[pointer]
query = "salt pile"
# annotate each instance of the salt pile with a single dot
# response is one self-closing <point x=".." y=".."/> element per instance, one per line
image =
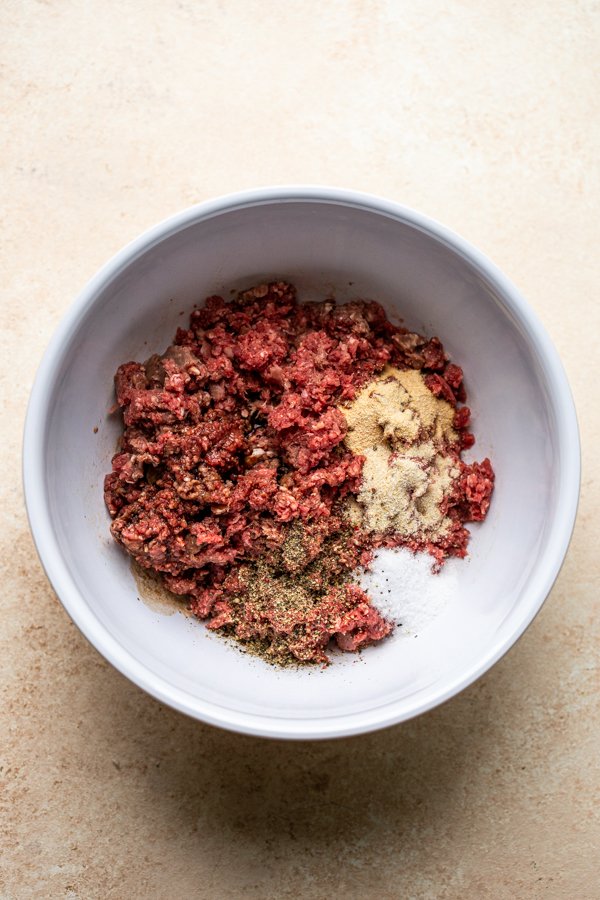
<point x="405" y="590"/>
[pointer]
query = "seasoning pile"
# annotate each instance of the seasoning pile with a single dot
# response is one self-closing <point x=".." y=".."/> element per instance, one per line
<point x="413" y="477"/>
<point x="273" y="447"/>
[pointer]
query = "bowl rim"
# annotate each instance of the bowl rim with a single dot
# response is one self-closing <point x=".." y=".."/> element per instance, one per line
<point x="541" y="579"/>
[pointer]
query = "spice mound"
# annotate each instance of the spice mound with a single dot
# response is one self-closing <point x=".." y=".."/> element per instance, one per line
<point x="412" y="476"/>
<point x="272" y="448"/>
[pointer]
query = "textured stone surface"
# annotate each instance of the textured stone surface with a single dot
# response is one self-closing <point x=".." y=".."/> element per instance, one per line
<point x="484" y="115"/>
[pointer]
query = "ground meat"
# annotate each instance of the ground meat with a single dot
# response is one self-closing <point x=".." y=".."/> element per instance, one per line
<point x="232" y="438"/>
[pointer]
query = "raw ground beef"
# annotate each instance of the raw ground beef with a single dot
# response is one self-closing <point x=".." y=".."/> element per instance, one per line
<point x="233" y="437"/>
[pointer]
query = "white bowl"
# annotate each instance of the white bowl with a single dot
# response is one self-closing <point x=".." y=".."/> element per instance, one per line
<point x="361" y="246"/>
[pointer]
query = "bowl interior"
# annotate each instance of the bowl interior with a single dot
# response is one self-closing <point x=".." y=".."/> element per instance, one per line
<point x="324" y="248"/>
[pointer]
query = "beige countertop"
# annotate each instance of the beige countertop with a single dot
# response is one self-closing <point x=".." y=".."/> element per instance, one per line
<point x="116" y="114"/>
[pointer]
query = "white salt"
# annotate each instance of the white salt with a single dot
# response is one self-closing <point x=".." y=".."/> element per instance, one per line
<point x="405" y="590"/>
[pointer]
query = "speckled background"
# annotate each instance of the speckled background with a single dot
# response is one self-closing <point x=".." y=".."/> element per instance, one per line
<point x="484" y="115"/>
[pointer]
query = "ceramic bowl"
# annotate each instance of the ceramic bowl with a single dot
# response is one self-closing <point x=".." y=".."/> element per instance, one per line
<point x="322" y="240"/>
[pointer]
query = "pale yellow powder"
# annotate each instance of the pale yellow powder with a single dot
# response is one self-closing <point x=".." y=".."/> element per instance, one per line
<point x="398" y="405"/>
<point x="402" y="430"/>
